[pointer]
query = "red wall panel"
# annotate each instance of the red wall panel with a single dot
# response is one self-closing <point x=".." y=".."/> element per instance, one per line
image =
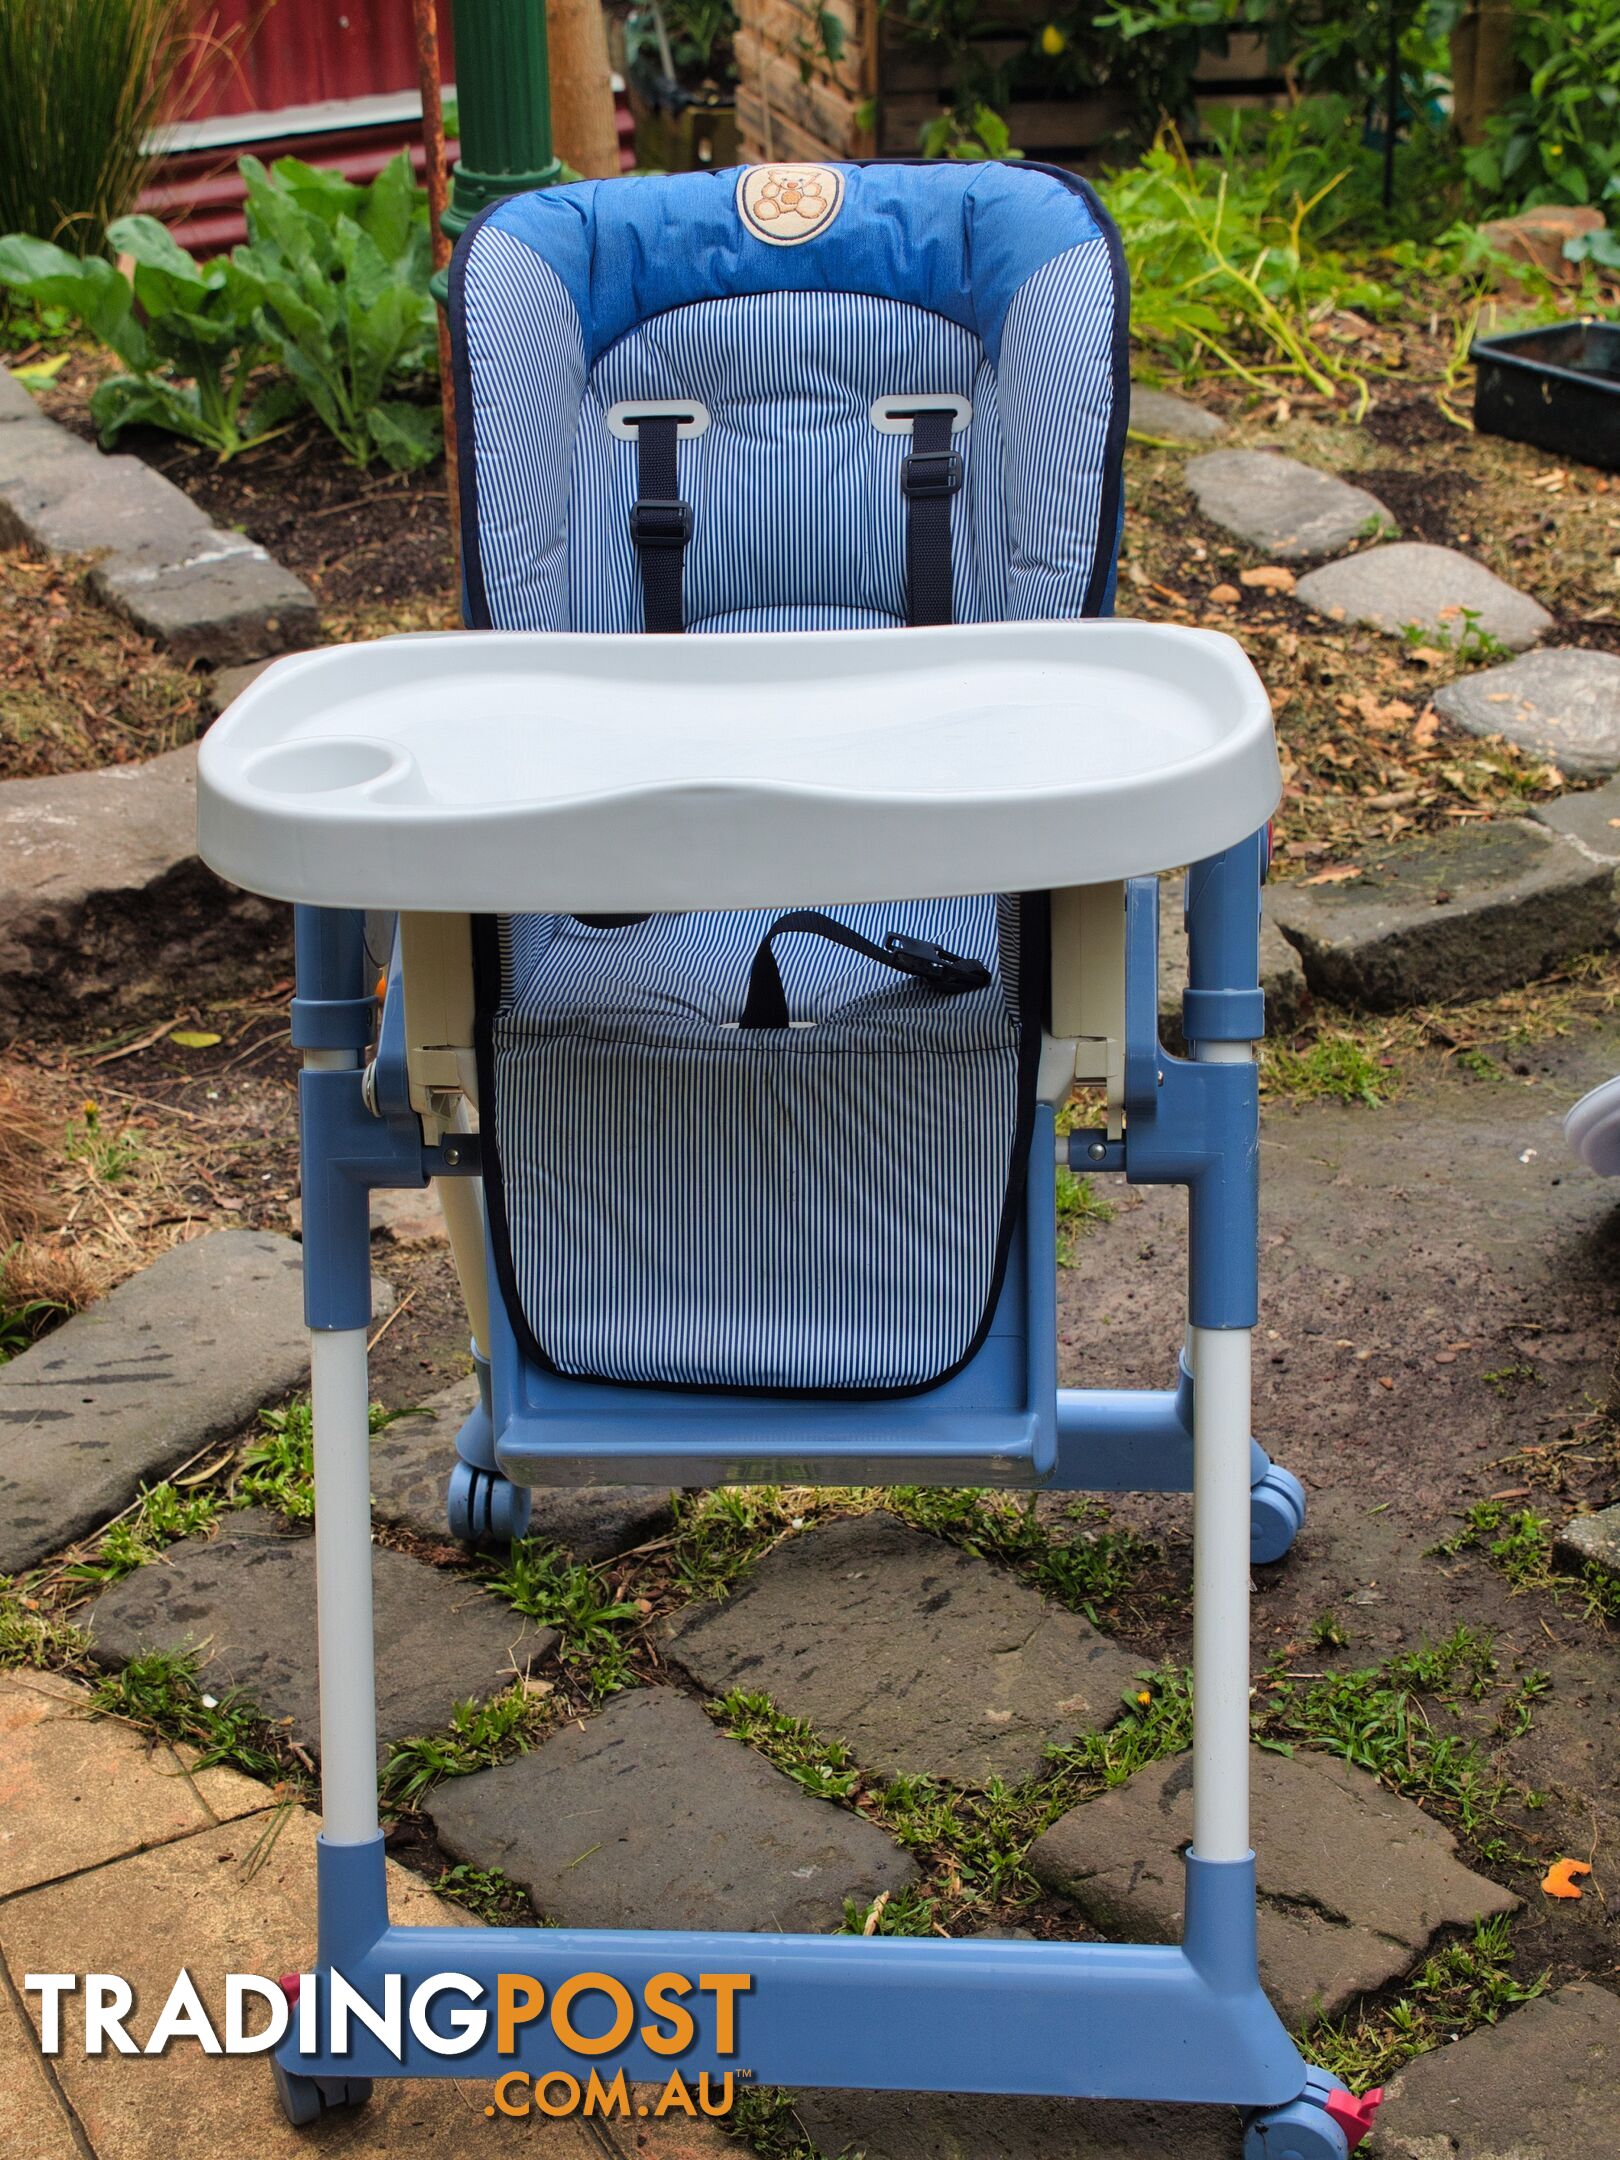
<point x="261" y="55"/>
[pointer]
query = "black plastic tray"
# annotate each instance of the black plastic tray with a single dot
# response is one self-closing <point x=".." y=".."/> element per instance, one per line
<point x="1557" y="387"/>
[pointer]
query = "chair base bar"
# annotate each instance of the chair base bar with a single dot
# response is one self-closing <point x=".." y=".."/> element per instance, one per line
<point x="1101" y="2021"/>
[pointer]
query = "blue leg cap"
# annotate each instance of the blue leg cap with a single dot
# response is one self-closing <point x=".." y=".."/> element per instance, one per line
<point x="304" y="2100"/>
<point x="1276" y="1514"/>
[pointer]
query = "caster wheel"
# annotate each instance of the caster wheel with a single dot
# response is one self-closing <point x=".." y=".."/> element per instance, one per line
<point x="486" y="1510"/>
<point x="1300" y="2131"/>
<point x="1276" y="1514"/>
<point x="304" y="2100"/>
<point x="1324" y="2123"/>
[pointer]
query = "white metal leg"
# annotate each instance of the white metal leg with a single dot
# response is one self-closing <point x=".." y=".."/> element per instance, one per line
<point x="1221" y="1361"/>
<point x="340" y="1393"/>
<point x="1221" y="1417"/>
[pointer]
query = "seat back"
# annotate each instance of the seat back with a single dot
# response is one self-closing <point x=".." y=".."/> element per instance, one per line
<point x="697" y="393"/>
<point x="998" y="285"/>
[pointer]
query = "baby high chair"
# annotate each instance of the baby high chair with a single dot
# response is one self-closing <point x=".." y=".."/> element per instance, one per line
<point x="767" y="958"/>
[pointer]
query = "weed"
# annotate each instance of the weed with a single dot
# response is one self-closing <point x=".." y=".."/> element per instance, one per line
<point x="1090" y="1569"/>
<point x="25" y="1323"/>
<point x="1478" y="1064"/>
<point x="161" y="1693"/>
<point x="1079" y="1207"/>
<point x="575" y="1600"/>
<point x="492" y="1895"/>
<point x="1472" y="642"/>
<point x="1464" y="1985"/>
<point x="479" y="1733"/>
<point x="109" y="1156"/>
<point x="32" y="1633"/>
<point x="1157" y="1722"/>
<point x="1329" y="1632"/>
<point x="279" y="1470"/>
<point x="1508" y="1377"/>
<point x="160" y="1516"/>
<point x="1519" y="1544"/>
<point x="764" y="2117"/>
<point x="823" y="1767"/>
<point x="720" y="1535"/>
<point x="1336" y="1067"/>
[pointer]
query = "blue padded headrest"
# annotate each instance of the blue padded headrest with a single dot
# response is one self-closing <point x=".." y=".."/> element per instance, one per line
<point x="958" y="239"/>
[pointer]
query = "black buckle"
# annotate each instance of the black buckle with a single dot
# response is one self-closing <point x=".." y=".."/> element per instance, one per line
<point x="655" y="522"/>
<point x="931" y="473"/>
<point x="935" y="965"/>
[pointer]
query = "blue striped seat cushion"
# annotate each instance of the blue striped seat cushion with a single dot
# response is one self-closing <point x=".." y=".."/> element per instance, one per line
<point x="684" y="1202"/>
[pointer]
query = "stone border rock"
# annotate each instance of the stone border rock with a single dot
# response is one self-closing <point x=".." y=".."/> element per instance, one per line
<point x="204" y="594"/>
<point x="104" y="903"/>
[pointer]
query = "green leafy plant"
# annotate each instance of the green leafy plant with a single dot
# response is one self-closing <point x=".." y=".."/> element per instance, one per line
<point x="185" y="331"/>
<point x="338" y="278"/>
<point x="279" y="1470"/>
<point x="684" y="41"/>
<point x="1461" y="1987"/>
<point x="574" y="1599"/>
<point x="161" y="1693"/>
<point x="160" y="1515"/>
<point x="1558" y="140"/>
<point x="82" y="85"/>
<point x="479" y="1733"/>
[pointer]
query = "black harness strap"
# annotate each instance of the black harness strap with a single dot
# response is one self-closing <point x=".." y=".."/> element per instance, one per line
<point x="933" y="965"/>
<point x="660" y="523"/>
<point x="929" y="477"/>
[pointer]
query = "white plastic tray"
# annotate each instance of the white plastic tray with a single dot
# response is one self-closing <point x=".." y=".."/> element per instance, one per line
<point x="495" y="771"/>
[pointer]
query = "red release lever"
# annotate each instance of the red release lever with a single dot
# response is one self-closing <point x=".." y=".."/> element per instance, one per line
<point x="1355" y="2117"/>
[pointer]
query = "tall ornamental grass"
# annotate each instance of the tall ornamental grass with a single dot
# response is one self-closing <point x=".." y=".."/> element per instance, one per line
<point x="82" y="84"/>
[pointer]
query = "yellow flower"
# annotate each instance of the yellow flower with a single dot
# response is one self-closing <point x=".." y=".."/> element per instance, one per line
<point x="1144" y="1696"/>
<point x="90" y="1110"/>
<point x="1053" y="40"/>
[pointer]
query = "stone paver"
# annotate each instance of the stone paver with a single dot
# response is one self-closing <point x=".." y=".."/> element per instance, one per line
<point x="977" y="2126"/>
<point x="649" y="1816"/>
<point x="1289" y="510"/>
<point x="1593" y="1537"/>
<point x="1412" y="585"/>
<point x="1537" y="236"/>
<point x="1355" y="1882"/>
<point x="408" y="1215"/>
<point x="1457" y="914"/>
<point x="1590" y="817"/>
<point x="1282" y="978"/>
<point x="103" y="900"/>
<point x="1176" y="419"/>
<point x="37" y="2123"/>
<point x="244" y="1601"/>
<point x="182" y="1354"/>
<point x="230" y="682"/>
<point x="410" y="1472"/>
<point x="77" y="1790"/>
<point x="1561" y="704"/>
<point x="1540" y="2085"/>
<point x="923" y="1658"/>
<point x="16" y="402"/>
<point x="206" y="594"/>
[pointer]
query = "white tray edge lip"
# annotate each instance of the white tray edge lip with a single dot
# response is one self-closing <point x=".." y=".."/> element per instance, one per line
<point x="226" y="796"/>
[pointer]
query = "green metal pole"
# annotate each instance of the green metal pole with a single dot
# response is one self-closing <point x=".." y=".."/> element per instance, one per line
<point x="503" y="98"/>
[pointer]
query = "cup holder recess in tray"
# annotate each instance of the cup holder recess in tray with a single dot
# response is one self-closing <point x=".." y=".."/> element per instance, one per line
<point x="333" y="765"/>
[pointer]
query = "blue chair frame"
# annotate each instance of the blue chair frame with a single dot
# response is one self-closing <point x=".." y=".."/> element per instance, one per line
<point x="1107" y="2021"/>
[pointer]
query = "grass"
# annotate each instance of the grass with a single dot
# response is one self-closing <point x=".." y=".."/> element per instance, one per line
<point x="82" y="84"/>
<point x="488" y="1892"/>
<point x="720" y="1536"/>
<point x="1080" y="1207"/>
<point x="33" y="1631"/>
<point x="575" y="1599"/>
<point x="110" y="1154"/>
<point x="1334" y="1068"/>
<point x="161" y="1515"/>
<point x="1518" y="1543"/>
<point x="1461" y="1987"/>
<point x="479" y="1734"/>
<point x="162" y="1693"/>
<point x="278" y="1471"/>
